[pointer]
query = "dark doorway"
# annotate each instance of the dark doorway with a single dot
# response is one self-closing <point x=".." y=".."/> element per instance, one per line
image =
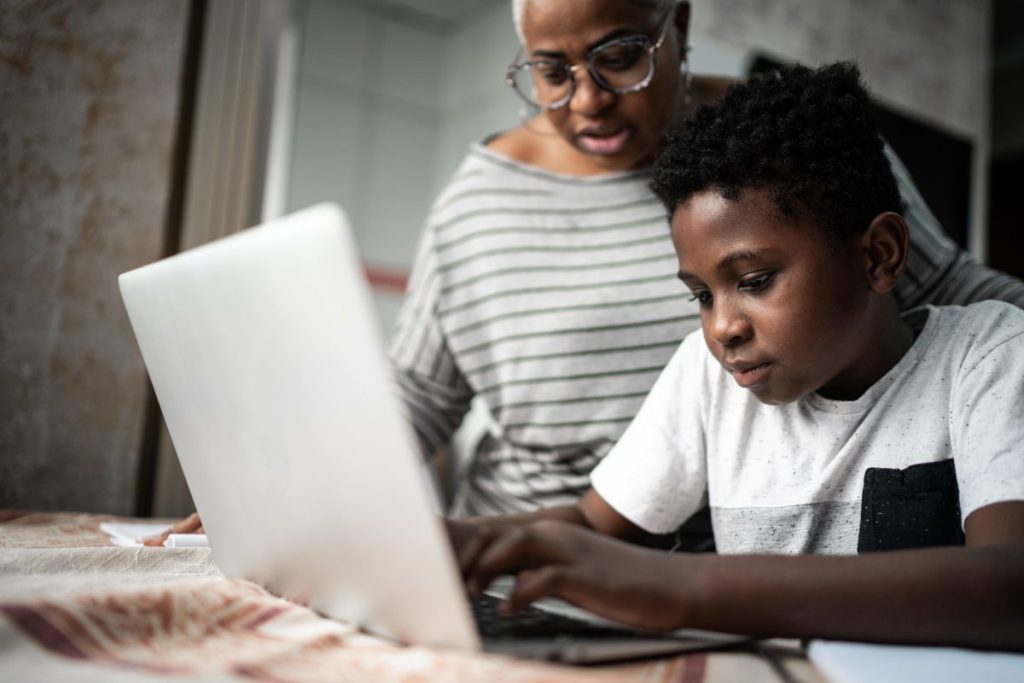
<point x="1006" y="171"/>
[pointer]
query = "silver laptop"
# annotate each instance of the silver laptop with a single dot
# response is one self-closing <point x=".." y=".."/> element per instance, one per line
<point x="268" y="364"/>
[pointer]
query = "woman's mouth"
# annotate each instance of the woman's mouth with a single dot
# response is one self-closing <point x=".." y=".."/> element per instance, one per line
<point x="598" y="141"/>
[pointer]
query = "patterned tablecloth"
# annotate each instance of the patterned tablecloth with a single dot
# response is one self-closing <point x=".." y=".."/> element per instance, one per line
<point x="75" y="608"/>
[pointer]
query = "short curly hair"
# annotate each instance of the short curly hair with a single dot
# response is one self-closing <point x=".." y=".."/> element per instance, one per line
<point x="808" y="136"/>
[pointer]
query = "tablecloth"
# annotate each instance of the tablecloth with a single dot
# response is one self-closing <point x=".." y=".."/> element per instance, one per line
<point x="75" y="608"/>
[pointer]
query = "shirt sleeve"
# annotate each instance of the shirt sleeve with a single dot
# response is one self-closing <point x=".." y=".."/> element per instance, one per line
<point x="656" y="475"/>
<point x="938" y="271"/>
<point x="433" y="389"/>
<point x="987" y="415"/>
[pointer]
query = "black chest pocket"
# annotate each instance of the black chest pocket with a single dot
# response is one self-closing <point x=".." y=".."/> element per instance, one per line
<point x="917" y="507"/>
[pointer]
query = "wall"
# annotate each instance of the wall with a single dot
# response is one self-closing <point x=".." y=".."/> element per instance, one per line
<point x="925" y="56"/>
<point x="89" y="95"/>
<point x="365" y="124"/>
<point x="375" y="127"/>
<point x="475" y="101"/>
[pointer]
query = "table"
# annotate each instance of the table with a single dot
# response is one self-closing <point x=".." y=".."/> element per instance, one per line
<point x="73" y="607"/>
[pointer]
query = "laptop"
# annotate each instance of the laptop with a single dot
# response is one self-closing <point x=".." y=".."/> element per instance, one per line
<point x="268" y="363"/>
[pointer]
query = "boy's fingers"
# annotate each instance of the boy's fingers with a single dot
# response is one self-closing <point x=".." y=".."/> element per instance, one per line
<point x="533" y="584"/>
<point x="505" y="554"/>
<point x="481" y="537"/>
<point x="491" y="559"/>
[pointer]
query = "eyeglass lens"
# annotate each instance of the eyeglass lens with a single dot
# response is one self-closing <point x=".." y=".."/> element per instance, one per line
<point x="618" y="67"/>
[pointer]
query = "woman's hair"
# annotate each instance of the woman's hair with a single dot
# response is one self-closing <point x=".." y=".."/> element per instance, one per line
<point x="519" y="11"/>
<point x="808" y="136"/>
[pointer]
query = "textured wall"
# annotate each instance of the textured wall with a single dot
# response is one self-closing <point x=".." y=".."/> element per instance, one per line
<point x="930" y="57"/>
<point x="88" y="100"/>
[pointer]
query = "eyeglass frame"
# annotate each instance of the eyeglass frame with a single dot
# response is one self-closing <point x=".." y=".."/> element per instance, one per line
<point x="512" y="69"/>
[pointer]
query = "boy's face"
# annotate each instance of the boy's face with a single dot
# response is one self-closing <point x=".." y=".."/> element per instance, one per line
<point x="781" y="309"/>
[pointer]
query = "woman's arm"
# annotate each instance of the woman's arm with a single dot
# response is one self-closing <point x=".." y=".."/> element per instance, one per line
<point x="969" y="281"/>
<point x="972" y="595"/>
<point x="435" y="393"/>
<point x="938" y="271"/>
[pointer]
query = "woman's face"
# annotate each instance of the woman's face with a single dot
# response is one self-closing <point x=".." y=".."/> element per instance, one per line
<point x="609" y="131"/>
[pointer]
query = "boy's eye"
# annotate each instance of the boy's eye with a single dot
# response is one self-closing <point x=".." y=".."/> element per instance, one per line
<point x="757" y="283"/>
<point x="703" y="297"/>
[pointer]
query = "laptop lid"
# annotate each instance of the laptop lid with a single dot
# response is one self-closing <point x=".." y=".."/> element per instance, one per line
<point x="266" y="357"/>
<point x="267" y="361"/>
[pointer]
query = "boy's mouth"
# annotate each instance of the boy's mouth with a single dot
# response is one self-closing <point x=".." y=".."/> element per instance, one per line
<point x="748" y="375"/>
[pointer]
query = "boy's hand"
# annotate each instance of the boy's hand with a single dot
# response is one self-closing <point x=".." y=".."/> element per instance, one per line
<point x="643" y="588"/>
<point x="460" y="533"/>
<point x="190" y="525"/>
<point x="469" y="534"/>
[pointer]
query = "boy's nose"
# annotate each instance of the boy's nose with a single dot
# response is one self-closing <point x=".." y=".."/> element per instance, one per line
<point x="727" y="326"/>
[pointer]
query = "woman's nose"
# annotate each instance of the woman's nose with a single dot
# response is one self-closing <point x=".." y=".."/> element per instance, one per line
<point x="589" y="98"/>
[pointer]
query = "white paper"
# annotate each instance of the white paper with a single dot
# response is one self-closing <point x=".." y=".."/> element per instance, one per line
<point x="128" y="534"/>
<point x="864" y="663"/>
<point x="186" y="541"/>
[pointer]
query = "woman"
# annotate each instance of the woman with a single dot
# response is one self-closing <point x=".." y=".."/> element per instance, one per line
<point x="545" y="281"/>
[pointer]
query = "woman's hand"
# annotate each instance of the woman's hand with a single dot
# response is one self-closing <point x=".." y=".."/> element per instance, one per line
<point x="644" y="588"/>
<point x="190" y="525"/>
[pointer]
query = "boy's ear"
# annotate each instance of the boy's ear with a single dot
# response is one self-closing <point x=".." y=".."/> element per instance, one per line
<point x="885" y="244"/>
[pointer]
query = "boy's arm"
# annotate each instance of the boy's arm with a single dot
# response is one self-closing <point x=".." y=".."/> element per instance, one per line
<point x="971" y="595"/>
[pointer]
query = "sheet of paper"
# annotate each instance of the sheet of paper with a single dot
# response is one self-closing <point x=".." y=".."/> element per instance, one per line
<point x="131" y="534"/>
<point x="865" y="663"/>
<point x="186" y="541"/>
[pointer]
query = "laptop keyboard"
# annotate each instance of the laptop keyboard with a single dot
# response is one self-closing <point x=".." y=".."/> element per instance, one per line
<point x="533" y="622"/>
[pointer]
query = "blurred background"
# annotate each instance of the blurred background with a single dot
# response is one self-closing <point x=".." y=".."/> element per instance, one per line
<point x="132" y="130"/>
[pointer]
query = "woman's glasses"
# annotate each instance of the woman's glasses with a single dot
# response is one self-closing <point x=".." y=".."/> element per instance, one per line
<point x="620" y="66"/>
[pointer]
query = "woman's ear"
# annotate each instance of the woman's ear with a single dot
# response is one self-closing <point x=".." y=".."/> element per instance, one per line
<point x="886" y="243"/>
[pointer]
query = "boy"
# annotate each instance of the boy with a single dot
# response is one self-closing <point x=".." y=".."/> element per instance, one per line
<point x="812" y="415"/>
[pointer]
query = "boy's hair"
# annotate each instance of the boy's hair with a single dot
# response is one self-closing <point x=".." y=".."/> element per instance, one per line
<point x="808" y="136"/>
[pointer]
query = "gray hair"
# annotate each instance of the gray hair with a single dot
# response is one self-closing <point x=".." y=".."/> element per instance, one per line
<point x="519" y="11"/>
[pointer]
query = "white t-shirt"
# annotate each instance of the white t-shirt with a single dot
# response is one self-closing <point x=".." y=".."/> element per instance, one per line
<point x="789" y="478"/>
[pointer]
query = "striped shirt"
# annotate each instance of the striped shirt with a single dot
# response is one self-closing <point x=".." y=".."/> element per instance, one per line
<point x="554" y="299"/>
